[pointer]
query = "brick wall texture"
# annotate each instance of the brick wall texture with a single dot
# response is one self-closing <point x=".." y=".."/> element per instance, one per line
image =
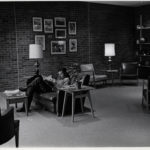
<point x="96" y="24"/>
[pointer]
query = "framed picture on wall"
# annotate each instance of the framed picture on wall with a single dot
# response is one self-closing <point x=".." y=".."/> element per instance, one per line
<point x="48" y="25"/>
<point x="40" y="39"/>
<point x="60" y="22"/>
<point x="37" y="24"/>
<point x="60" y="33"/>
<point x="72" y="28"/>
<point x="58" y="47"/>
<point x="73" y="45"/>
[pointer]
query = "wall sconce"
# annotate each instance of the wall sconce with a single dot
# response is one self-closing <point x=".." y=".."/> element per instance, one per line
<point x="36" y="52"/>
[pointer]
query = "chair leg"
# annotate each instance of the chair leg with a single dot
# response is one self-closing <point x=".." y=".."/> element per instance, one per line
<point x="16" y="105"/>
<point x="17" y="137"/>
<point x="89" y="97"/>
<point x="81" y="105"/>
<point x="64" y="104"/>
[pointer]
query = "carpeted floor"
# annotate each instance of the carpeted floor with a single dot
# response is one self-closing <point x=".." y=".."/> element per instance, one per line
<point x="120" y="122"/>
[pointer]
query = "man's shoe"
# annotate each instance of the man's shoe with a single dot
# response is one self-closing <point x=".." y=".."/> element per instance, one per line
<point x="23" y="89"/>
<point x="21" y="109"/>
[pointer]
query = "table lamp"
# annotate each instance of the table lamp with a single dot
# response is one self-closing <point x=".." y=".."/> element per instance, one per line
<point x="36" y="52"/>
<point x="109" y="52"/>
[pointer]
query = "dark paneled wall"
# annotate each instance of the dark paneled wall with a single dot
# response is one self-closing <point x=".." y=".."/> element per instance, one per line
<point x="96" y="25"/>
<point x="111" y="24"/>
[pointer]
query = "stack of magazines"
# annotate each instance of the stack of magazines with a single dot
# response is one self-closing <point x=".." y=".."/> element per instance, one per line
<point x="16" y="92"/>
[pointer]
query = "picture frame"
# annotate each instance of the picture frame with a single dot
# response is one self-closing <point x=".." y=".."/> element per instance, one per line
<point x="40" y="39"/>
<point x="48" y="25"/>
<point x="37" y="24"/>
<point x="58" y="47"/>
<point x="60" y="22"/>
<point x="72" y="45"/>
<point x="60" y="33"/>
<point x="72" y="27"/>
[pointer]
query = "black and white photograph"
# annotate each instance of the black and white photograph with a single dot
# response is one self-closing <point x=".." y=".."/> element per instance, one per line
<point x="72" y="28"/>
<point x="37" y="24"/>
<point x="48" y="25"/>
<point x="73" y="45"/>
<point x="60" y="33"/>
<point x="75" y="75"/>
<point x="40" y="39"/>
<point x="60" y="22"/>
<point x="58" y="47"/>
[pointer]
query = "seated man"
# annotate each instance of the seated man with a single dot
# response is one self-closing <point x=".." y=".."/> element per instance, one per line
<point x="43" y="84"/>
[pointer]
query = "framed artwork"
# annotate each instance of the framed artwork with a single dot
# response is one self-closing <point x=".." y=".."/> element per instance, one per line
<point x="48" y="25"/>
<point x="72" y="28"/>
<point x="60" y="22"/>
<point x="73" y="45"/>
<point x="58" y="47"/>
<point x="40" y="39"/>
<point x="60" y="33"/>
<point x="37" y="24"/>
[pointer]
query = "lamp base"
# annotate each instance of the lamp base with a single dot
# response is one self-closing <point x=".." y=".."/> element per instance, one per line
<point x="37" y="64"/>
<point x="109" y="62"/>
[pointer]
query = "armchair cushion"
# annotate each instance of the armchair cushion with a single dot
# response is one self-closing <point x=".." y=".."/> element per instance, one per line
<point x="129" y="71"/>
<point x="98" y="78"/>
<point x="9" y="127"/>
<point x="89" y="69"/>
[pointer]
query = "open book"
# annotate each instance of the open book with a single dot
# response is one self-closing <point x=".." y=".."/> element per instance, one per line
<point x="16" y="92"/>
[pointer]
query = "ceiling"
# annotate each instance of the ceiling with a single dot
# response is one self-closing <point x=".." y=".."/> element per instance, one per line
<point x="124" y="3"/>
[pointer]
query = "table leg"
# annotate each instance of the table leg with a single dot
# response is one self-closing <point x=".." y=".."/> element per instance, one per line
<point x="26" y="105"/>
<point x="89" y="97"/>
<point x="7" y="101"/>
<point x="81" y="104"/>
<point x="73" y="106"/>
<point x="16" y="105"/>
<point x="64" y="104"/>
<point x="57" y="103"/>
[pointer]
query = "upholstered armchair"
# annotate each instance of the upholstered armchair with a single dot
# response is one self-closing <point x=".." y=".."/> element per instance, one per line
<point x="129" y="71"/>
<point x="9" y="127"/>
<point x="89" y="69"/>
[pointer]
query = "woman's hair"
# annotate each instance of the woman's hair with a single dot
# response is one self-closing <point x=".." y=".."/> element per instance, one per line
<point x="64" y="71"/>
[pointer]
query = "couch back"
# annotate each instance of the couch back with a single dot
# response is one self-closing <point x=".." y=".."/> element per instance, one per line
<point x="87" y="69"/>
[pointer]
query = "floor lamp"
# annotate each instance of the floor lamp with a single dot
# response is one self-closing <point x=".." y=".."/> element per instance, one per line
<point x="109" y="52"/>
<point x="36" y="52"/>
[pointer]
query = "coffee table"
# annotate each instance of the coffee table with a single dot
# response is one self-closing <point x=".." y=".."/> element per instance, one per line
<point x="19" y="97"/>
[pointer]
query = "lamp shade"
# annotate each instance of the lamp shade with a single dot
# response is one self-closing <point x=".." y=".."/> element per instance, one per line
<point x="109" y="49"/>
<point x="35" y="51"/>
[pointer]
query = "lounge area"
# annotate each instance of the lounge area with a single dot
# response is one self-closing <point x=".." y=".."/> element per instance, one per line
<point x="119" y="122"/>
<point x="74" y="74"/>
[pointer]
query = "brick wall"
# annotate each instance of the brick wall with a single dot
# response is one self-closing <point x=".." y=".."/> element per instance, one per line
<point x="111" y="24"/>
<point x="96" y="25"/>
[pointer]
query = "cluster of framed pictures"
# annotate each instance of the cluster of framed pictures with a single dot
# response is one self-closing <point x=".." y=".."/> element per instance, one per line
<point x="57" y="46"/>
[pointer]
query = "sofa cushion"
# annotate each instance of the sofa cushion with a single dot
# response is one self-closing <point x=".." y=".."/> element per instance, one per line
<point x="50" y="95"/>
<point x="98" y="78"/>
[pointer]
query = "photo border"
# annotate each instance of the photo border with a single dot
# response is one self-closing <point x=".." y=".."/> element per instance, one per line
<point x="34" y="25"/>
<point x="52" y="27"/>
<point x="60" y="19"/>
<point x="54" y="53"/>
<point x="40" y="36"/>
<point x="69" y="28"/>
<point x="76" y="46"/>
<point x="60" y="37"/>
